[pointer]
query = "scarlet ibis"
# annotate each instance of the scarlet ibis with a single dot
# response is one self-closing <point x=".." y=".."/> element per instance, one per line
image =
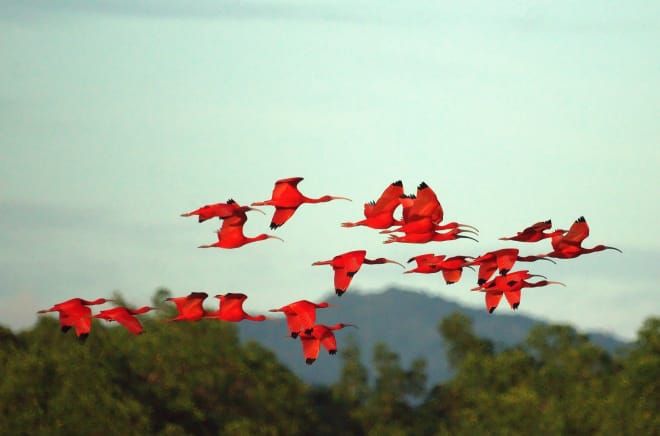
<point x="422" y="238"/>
<point x="424" y="204"/>
<point x="452" y="267"/>
<point x="379" y="214"/>
<point x="301" y="315"/>
<point x="231" y="309"/>
<point x="533" y="233"/>
<point x="230" y="235"/>
<point x="569" y="245"/>
<point x="287" y="198"/>
<point x="346" y="265"/>
<point x="510" y="285"/>
<point x="503" y="260"/>
<point x="190" y="307"/>
<point x="220" y="210"/>
<point x="320" y="335"/>
<point x="125" y="316"/>
<point x="426" y="225"/>
<point x="75" y="313"/>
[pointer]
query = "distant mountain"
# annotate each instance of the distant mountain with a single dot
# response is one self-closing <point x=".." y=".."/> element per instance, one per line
<point x="379" y="317"/>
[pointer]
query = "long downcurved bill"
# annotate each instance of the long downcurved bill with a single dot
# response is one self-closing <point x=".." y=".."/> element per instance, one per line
<point x="394" y="261"/>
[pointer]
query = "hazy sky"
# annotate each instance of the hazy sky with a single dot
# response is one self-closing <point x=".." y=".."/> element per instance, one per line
<point x="117" y="116"/>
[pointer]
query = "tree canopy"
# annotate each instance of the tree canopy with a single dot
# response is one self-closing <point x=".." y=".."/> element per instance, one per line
<point x="198" y="378"/>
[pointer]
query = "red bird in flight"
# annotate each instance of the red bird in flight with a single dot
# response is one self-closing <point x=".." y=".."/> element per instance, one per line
<point x="320" y="335"/>
<point x="569" y="245"/>
<point x="379" y="214"/>
<point x="231" y="309"/>
<point x="125" y="317"/>
<point x="190" y="307"/>
<point x="509" y="285"/>
<point x="230" y="234"/>
<point x="301" y="315"/>
<point x="287" y="198"/>
<point x="503" y="260"/>
<point x="426" y="207"/>
<point x="452" y="267"/>
<point x="423" y="238"/>
<point x="346" y="265"/>
<point x="75" y="313"/>
<point x="220" y="210"/>
<point x="534" y="233"/>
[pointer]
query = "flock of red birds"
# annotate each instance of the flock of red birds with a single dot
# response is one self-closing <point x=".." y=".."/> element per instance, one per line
<point x="420" y="222"/>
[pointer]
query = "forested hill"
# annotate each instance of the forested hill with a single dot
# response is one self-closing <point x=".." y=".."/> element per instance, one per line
<point x="406" y="322"/>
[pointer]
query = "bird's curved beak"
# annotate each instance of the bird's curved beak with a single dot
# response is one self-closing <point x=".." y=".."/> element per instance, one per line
<point x="468" y="231"/>
<point x="275" y="237"/>
<point x="340" y="198"/>
<point x="613" y="248"/>
<point x="538" y="275"/>
<point x="469" y="227"/>
<point x="466" y="237"/>
<point x="556" y="283"/>
<point x="257" y="210"/>
<point x="394" y="261"/>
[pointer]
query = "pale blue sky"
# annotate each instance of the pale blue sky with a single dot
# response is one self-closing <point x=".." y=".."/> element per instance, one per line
<point x="117" y="116"/>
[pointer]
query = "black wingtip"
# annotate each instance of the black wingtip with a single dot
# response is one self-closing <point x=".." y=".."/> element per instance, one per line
<point x="504" y="271"/>
<point x="515" y="305"/>
<point x="294" y="335"/>
<point x="580" y="220"/>
<point x="83" y="337"/>
<point x="423" y="185"/>
<point x="230" y="201"/>
<point x="65" y="328"/>
<point x="340" y="292"/>
<point x="333" y="352"/>
<point x="274" y="226"/>
<point x="481" y="281"/>
<point x="397" y="183"/>
<point x="309" y="361"/>
<point x="491" y="309"/>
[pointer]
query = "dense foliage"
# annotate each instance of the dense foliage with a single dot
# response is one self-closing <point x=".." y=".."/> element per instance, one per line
<point x="198" y="378"/>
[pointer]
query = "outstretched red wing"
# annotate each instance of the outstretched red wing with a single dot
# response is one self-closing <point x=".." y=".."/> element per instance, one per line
<point x="282" y="215"/>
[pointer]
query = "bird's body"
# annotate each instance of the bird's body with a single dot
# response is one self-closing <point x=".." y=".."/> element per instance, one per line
<point x="346" y="265"/>
<point x="125" y="317"/>
<point x="300" y="315"/>
<point x="534" y="233"/>
<point x="502" y="260"/>
<point x="231" y="309"/>
<point x="229" y="210"/>
<point x="569" y="245"/>
<point x="423" y="213"/>
<point x="432" y="236"/>
<point x="286" y="198"/>
<point x="230" y="234"/>
<point x="451" y="267"/>
<point x="320" y="335"/>
<point x="509" y="285"/>
<point x="76" y="313"/>
<point x="379" y="214"/>
<point x="190" y="307"/>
